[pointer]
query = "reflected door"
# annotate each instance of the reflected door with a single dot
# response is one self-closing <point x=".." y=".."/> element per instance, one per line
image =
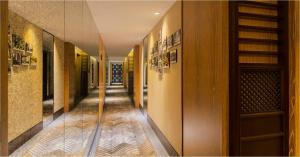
<point x="117" y="74"/>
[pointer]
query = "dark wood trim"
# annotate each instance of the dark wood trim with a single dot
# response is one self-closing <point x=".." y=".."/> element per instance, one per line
<point x="262" y="137"/>
<point x="4" y="78"/>
<point x="58" y="113"/>
<point x="259" y="4"/>
<point x="24" y="137"/>
<point x="257" y="28"/>
<point x="268" y="114"/>
<point x="258" y="16"/>
<point x="257" y="41"/>
<point x="234" y="124"/>
<point x="283" y="59"/>
<point x="169" y="148"/>
<point x="258" y="53"/>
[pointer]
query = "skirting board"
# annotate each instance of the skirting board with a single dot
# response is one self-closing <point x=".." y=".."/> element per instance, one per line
<point x="169" y="148"/>
<point x="58" y="113"/>
<point x="24" y="137"/>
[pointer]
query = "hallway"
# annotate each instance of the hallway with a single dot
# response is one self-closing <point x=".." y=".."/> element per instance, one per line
<point x="149" y="78"/>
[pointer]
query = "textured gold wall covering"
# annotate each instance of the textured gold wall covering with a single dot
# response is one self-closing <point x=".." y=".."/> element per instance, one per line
<point x="25" y="85"/>
<point x="58" y="74"/>
<point x="164" y="93"/>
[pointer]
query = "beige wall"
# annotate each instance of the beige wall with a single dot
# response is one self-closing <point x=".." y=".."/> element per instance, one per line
<point x="25" y="84"/>
<point x="164" y="94"/>
<point x="58" y="74"/>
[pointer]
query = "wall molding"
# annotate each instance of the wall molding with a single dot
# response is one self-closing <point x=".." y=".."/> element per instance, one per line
<point x="58" y="113"/>
<point x="24" y="137"/>
<point x="165" y="142"/>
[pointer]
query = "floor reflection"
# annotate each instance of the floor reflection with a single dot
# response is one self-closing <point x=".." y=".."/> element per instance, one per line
<point x="69" y="135"/>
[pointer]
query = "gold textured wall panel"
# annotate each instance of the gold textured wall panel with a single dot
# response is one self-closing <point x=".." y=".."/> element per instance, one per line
<point x="166" y="112"/>
<point x="25" y="84"/>
<point x="58" y="74"/>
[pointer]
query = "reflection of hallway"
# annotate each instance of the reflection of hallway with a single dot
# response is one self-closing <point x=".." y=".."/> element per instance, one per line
<point x="124" y="131"/>
<point x="70" y="134"/>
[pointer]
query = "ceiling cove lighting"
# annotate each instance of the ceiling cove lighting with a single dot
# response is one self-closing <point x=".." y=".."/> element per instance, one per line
<point x="157" y="13"/>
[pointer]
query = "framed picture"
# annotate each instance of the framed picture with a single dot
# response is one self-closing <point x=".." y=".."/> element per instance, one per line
<point x="166" y="60"/>
<point x="16" y="58"/>
<point x="25" y="60"/>
<point x="33" y="61"/>
<point x="177" y="37"/>
<point x="156" y="47"/>
<point x="164" y="44"/>
<point x="173" y="56"/>
<point x="170" y="42"/>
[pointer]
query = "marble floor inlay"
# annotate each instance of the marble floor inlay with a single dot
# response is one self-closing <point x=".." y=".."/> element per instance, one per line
<point x="123" y="129"/>
<point x="69" y="135"/>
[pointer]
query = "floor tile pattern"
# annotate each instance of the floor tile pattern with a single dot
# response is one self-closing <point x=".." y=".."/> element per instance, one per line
<point x="121" y="131"/>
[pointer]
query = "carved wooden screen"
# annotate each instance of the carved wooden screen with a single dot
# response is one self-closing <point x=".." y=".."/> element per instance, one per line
<point x="259" y="78"/>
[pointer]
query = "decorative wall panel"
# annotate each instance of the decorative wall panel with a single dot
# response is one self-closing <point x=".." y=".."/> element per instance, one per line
<point x="260" y="91"/>
<point x="117" y="73"/>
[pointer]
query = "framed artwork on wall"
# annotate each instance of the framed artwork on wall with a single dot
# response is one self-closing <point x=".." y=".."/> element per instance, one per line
<point x="166" y="60"/>
<point x="164" y="44"/>
<point x="170" y="42"/>
<point x="173" y="56"/>
<point x="177" y="37"/>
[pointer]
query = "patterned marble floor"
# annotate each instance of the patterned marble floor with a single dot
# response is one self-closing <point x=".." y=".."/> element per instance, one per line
<point x="124" y="131"/>
<point x="69" y="135"/>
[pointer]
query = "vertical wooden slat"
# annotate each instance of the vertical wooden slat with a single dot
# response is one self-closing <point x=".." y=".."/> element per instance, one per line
<point x="4" y="77"/>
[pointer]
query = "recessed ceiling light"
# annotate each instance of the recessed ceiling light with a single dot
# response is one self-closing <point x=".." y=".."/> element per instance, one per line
<point x="156" y="13"/>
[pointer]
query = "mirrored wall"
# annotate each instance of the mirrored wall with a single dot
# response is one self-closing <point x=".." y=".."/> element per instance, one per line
<point x="52" y="78"/>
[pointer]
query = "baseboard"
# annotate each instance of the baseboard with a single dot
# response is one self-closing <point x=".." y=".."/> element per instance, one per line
<point x="169" y="148"/>
<point x="58" y="113"/>
<point x="24" y="137"/>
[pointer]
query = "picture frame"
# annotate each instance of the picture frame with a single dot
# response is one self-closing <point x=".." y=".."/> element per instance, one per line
<point x="164" y="44"/>
<point x="170" y="42"/>
<point x="177" y="37"/>
<point x="173" y="56"/>
<point x="166" y="60"/>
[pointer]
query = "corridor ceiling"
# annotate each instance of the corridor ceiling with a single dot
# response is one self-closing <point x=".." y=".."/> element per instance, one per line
<point x="124" y="23"/>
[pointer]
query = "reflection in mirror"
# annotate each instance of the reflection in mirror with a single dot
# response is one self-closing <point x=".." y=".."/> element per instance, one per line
<point x="48" y="78"/>
<point x="145" y="75"/>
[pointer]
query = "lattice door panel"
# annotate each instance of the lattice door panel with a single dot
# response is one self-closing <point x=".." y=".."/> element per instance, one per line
<point x="117" y="73"/>
<point x="258" y="78"/>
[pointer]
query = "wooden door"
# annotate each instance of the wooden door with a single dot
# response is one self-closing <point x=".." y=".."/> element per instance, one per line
<point x="258" y="78"/>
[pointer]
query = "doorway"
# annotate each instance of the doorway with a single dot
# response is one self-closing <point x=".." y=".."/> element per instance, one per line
<point x="259" y="111"/>
<point x="48" y="78"/>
